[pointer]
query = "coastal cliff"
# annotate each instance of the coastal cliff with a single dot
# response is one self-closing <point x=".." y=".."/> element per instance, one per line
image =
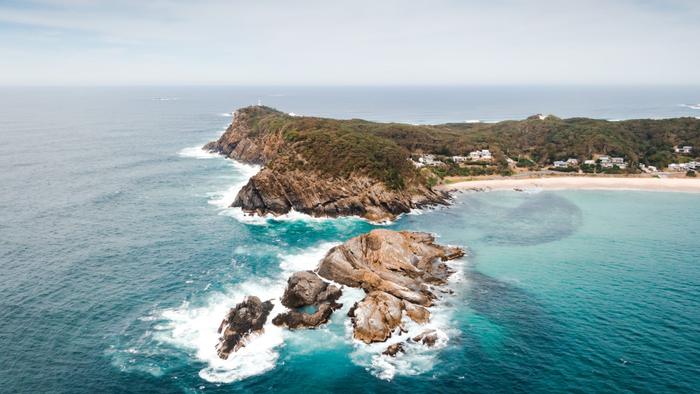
<point x="329" y="167"/>
<point x="321" y="167"/>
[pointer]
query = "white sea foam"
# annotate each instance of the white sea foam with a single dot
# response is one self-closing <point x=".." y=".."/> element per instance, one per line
<point x="224" y="198"/>
<point x="197" y="152"/>
<point x="307" y="260"/>
<point x="691" y="106"/>
<point x="195" y="328"/>
<point x="291" y="216"/>
<point x="472" y="121"/>
<point x="226" y="114"/>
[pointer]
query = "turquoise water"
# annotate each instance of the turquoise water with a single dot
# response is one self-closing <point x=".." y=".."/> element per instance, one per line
<point x="118" y="260"/>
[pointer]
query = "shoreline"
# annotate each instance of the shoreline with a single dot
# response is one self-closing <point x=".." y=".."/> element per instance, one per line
<point x="686" y="185"/>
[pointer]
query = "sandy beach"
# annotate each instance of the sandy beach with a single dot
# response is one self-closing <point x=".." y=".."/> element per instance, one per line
<point x="688" y="185"/>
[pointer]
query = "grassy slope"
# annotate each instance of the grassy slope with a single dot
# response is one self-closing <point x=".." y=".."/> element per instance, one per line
<point x="380" y="150"/>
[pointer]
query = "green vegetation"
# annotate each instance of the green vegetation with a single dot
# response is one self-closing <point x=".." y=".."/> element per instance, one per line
<point x="525" y="163"/>
<point x="382" y="150"/>
<point x="690" y="173"/>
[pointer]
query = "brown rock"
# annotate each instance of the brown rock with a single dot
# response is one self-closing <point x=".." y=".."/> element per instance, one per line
<point x="427" y="338"/>
<point x="399" y="263"/>
<point x="393" y="350"/>
<point x="417" y="313"/>
<point x="305" y="288"/>
<point x="295" y="319"/>
<point x="244" y="319"/>
<point x="302" y="289"/>
<point x="376" y="316"/>
<point x="279" y="188"/>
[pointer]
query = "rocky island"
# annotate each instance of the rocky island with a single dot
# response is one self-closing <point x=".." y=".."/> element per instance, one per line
<point x="329" y="167"/>
<point x="402" y="274"/>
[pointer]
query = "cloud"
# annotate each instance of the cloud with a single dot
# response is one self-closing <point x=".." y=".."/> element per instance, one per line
<point x="350" y="42"/>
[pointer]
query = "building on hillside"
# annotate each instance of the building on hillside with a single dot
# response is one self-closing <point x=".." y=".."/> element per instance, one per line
<point x="560" y="164"/>
<point x="460" y="159"/>
<point x="679" y="167"/>
<point x="480" y="155"/>
<point x="572" y="162"/>
<point x="589" y="162"/>
<point x="686" y="150"/>
<point x="428" y="160"/>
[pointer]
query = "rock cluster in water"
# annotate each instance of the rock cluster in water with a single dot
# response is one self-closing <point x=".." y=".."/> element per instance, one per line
<point x="399" y="272"/>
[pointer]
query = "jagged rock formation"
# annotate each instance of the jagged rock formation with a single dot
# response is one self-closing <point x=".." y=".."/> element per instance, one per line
<point x="314" y="194"/>
<point x="398" y="270"/>
<point x="393" y="350"/>
<point x="306" y="289"/>
<point x="427" y="338"/>
<point x="399" y="263"/>
<point x="315" y="167"/>
<point x="244" y="319"/>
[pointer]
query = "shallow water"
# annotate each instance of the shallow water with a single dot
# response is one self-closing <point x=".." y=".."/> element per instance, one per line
<point x="118" y="260"/>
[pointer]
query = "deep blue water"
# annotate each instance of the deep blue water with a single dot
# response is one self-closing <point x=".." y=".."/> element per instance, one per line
<point x="118" y="259"/>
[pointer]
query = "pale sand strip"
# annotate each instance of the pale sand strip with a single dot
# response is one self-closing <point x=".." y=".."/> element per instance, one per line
<point x="580" y="183"/>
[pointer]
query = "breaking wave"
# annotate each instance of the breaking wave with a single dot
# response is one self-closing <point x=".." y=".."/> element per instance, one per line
<point x="196" y="152"/>
<point x="194" y="328"/>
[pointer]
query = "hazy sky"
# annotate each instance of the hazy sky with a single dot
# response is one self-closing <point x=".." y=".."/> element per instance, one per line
<point x="354" y="42"/>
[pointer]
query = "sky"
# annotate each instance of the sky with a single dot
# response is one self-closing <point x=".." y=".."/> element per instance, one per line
<point x="358" y="42"/>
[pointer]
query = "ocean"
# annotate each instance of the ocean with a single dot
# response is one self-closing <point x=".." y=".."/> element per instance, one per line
<point x="119" y="255"/>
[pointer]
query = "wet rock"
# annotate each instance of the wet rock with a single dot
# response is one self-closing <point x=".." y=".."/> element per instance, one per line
<point x="296" y="319"/>
<point x="306" y="289"/>
<point x="427" y="338"/>
<point x="246" y="318"/>
<point x="393" y="350"/>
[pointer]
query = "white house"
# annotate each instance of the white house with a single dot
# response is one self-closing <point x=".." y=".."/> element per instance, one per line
<point x="572" y="162"/>
<point x="589" y="162"/>
<point x="428" y="160"/>
<point x="679" y="166"/>
<point x="687" y="149"/>
<point x="560" y="164"/>
<point x="459" y="159"/>
<point x="480" y="155"/>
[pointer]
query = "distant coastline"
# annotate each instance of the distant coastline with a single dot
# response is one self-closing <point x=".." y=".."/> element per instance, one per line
<point x="572" y="182"/>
